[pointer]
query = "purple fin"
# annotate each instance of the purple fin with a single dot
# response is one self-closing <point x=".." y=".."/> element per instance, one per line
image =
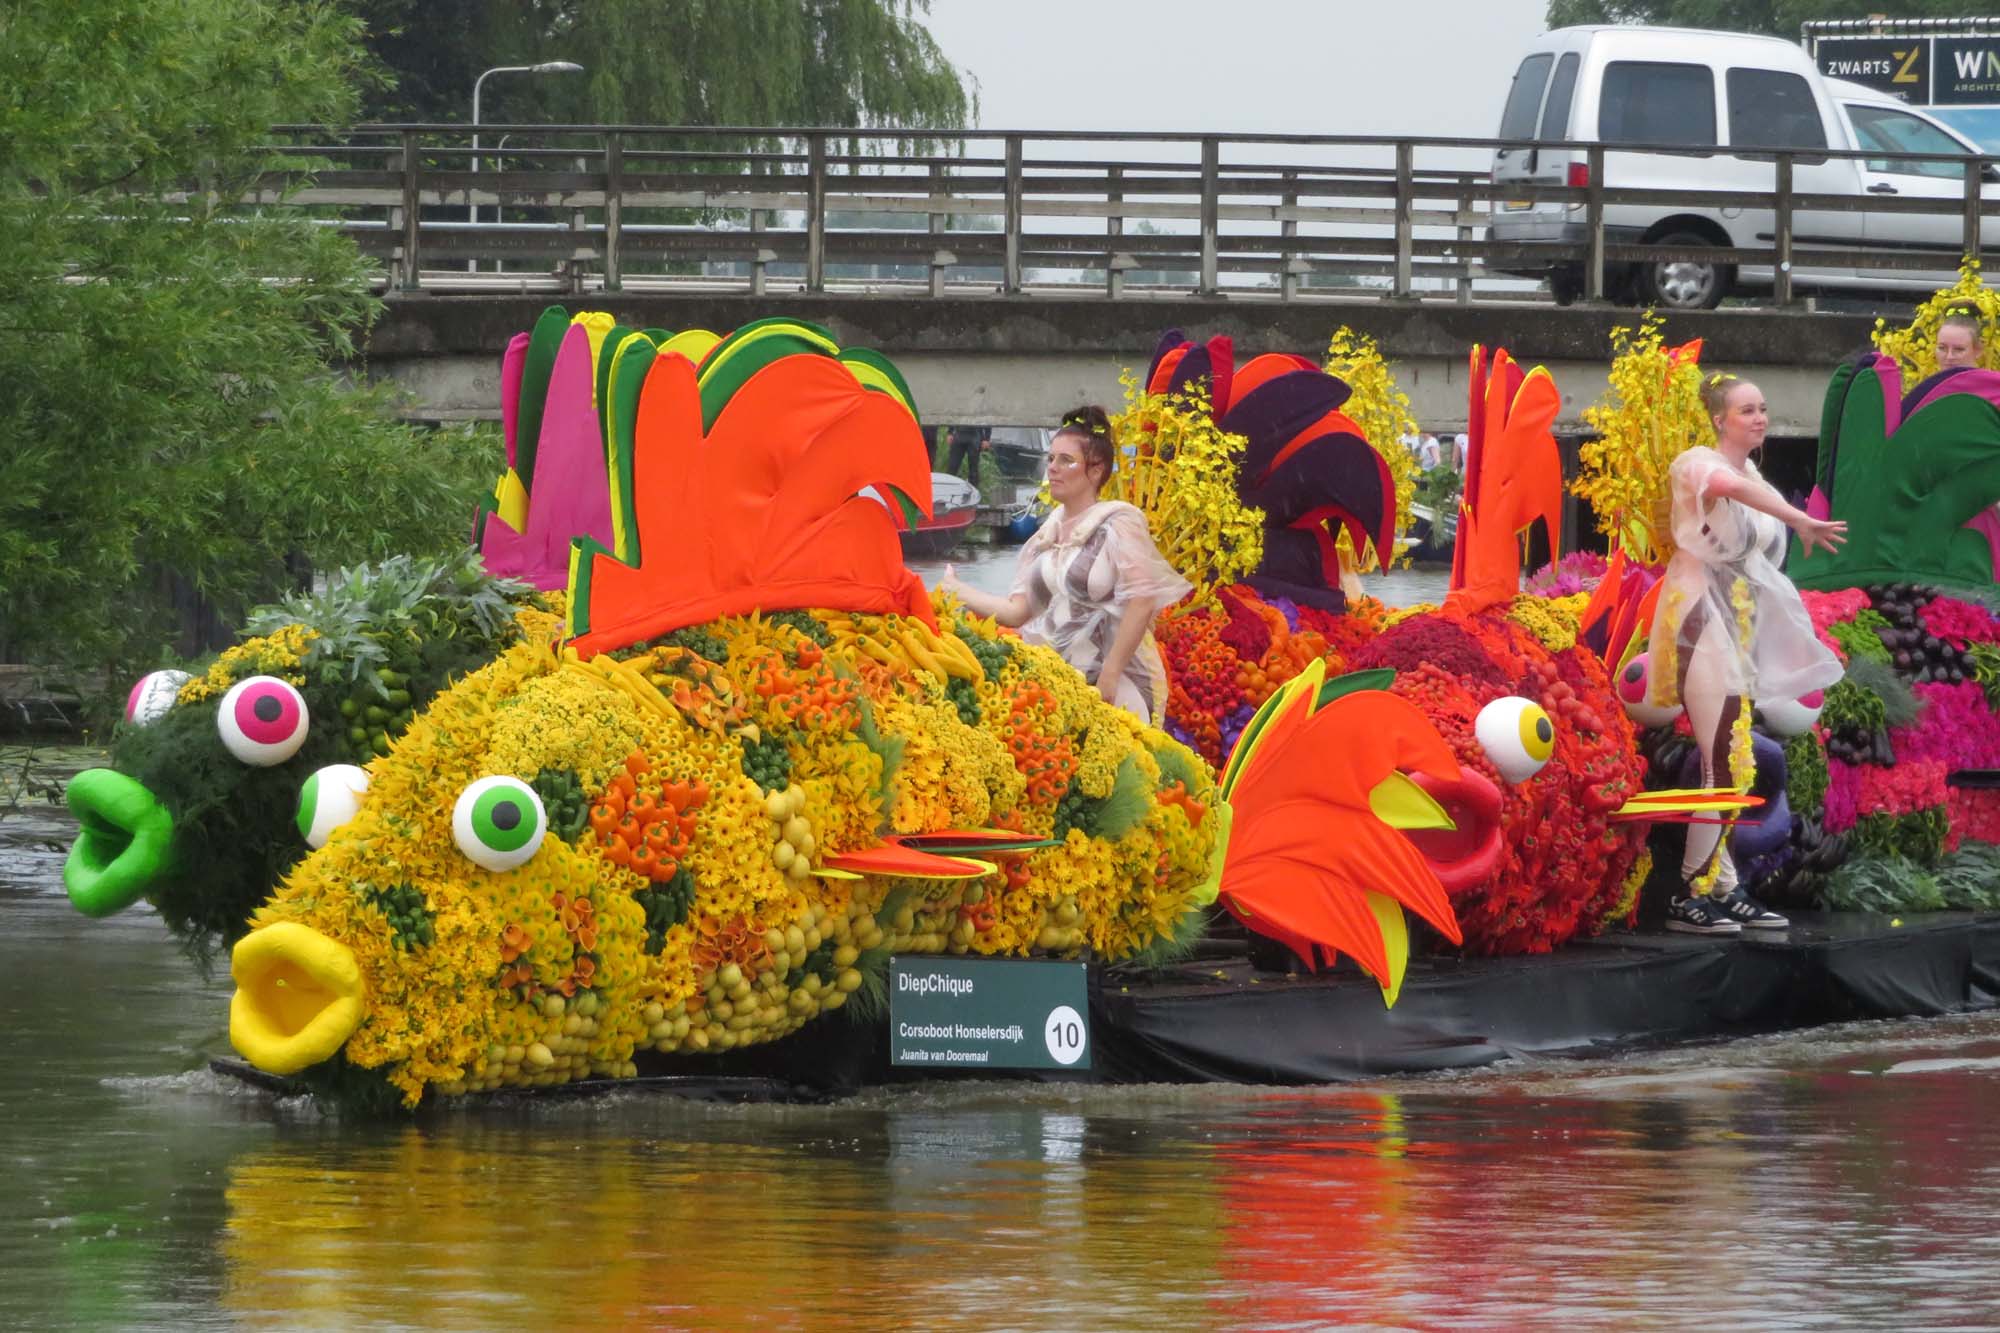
<point x="1270" y="416"/>
<point x="1169" y="340"/>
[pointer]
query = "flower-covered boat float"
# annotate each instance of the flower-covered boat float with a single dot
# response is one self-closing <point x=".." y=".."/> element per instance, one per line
<point x="662" y="790"/>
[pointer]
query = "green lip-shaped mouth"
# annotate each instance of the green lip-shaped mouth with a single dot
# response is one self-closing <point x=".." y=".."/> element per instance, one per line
<point x="123" y="844"/>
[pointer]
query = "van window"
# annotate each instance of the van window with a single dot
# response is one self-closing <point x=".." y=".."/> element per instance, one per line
<point x="1886" y="131"/>
<point x="1647" y="101"/>
<point x="1555" y="116"/>
<point x="1524" y="99"/>
<point x="1769" y="109"/>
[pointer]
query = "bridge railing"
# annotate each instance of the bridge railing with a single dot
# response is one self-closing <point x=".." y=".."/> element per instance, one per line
<point x="588" y="206"/>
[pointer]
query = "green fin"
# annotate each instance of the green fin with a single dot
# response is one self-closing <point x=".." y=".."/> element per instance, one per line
<point x="1381" y="678"/>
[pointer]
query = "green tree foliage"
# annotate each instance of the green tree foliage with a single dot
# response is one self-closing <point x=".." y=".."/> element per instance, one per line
<point x="667" y="62"/>
<point x="1780" y="18"/>
<point x="167" y="406"/>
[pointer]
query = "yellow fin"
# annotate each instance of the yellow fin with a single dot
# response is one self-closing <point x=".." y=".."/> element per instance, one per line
<point x="828" y="872"/>
<point x="694" y="344"/>
<point x="1401" y="803"/>
<point x="1206" y="892"/>
<point x="1395" y="944"/>
<point x="510" y="501"/>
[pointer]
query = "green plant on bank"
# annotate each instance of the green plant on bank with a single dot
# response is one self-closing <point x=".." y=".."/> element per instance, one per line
<point x="1439" y="489"/>
<point x="176" y="421"/>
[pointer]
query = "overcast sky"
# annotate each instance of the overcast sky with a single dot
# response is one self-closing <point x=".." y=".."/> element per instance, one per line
<point x="1394" y="67"/>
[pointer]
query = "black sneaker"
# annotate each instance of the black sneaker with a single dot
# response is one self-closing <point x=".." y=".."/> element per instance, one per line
<point x="1747" y="912"/>
<point x="1697" y="915"/>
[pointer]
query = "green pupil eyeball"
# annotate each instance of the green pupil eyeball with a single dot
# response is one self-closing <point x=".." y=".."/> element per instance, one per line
<point x="499" y="822"/>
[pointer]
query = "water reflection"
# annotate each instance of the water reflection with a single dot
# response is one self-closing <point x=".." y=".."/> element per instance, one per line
<point x="1843" y="1177"/>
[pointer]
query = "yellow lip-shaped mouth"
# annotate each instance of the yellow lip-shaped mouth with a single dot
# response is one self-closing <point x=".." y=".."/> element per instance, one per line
<point x="298" y="997"/>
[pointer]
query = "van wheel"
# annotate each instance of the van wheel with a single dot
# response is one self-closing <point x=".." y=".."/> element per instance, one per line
<point x="1684" y="284"/>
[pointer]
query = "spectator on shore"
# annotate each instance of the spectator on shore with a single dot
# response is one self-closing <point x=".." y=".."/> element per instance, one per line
<point x="964" y="446"/>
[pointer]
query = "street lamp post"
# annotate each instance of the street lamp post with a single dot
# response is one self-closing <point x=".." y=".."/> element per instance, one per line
<point x="545" y="67"/>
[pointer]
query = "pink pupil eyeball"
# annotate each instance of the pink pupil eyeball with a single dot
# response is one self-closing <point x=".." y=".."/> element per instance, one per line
<point x="1632" y="681"/>
<point x="267" y="715"/>
<point x="262" y="721"/>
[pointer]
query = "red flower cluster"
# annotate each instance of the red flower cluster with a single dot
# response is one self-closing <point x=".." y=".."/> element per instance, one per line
<point x="1564" y="866"/>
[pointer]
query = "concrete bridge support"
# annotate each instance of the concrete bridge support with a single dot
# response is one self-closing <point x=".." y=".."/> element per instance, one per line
<point x="1024" y="361"/>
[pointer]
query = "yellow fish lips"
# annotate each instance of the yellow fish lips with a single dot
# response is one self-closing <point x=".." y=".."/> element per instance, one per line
<point x="298" y="997"/>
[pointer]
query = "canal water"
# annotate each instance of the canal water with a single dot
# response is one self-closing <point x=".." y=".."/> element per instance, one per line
<point x="1839" y="1178"/>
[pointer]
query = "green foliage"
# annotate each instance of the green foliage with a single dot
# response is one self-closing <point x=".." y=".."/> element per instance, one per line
<point x="1918" y="836"/>
<point x="564" y="800"/>
<point x="1851" y="708"/>
<point x="410" y="917"/>
<point x="766" y="761"/>
<point x="992" y="654"/>
<point x="665" y="906"/>
<point x="1177" y="764"/>
<point x="887" y="748"/>
<point x="381" y="626"/>
<point x="171" y="419"/>
<point x="1986" y="670"/>
<point x="1780" y="18"/>
<point x="696" y="62"/>
<point x="1806" y="774"/>
<point x="1860" y="641"/>
<point x="695" y="640"/>
<point x="1883" y="884"/>
<point x="1898" y="702"/>
<point x="964" y="696"/>
<point x="1175" y="947"/>
<point x="806" y="623"/>
<point x="1966" y="880"/>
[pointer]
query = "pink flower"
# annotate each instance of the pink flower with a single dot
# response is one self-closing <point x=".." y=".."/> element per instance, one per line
<point x="1959" y="623"/>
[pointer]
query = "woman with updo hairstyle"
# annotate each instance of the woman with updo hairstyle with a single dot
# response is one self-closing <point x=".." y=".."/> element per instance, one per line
<point x="1733" y="628"/>
<point x="1090" y="580"/>
<point x="1961" y="338"/>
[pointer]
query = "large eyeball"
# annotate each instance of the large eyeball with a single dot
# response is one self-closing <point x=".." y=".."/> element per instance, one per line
<point x="499" y="822"/>
<point x="1793" y="717"/>
<point x="153" y="696"/>
<point x="1516" y="735"/>
<point x="263" y="721"/>
<point x="1635" y="692"/>
<point x="329" y="799"/>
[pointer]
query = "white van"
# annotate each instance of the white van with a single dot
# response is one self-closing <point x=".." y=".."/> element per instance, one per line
<point x="1710" y="92"/>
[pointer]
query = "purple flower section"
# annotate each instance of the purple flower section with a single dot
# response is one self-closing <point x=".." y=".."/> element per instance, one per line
<point x="1287" y="608"/>
<point x="1232" y="726"/>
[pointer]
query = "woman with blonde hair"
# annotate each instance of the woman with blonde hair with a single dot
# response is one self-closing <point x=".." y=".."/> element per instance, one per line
<point x="1090" y="580"/>
<point x="1733" y="627"/>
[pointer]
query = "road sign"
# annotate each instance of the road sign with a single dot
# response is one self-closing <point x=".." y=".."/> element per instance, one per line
<point x="988" y="1013"/>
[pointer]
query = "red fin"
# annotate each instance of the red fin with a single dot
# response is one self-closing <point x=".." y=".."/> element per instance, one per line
<point x="1305" y="848"/>
<point x="1513" y="477"/>
<point x="763" y="511"/>
<point x="893" y="858"/>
